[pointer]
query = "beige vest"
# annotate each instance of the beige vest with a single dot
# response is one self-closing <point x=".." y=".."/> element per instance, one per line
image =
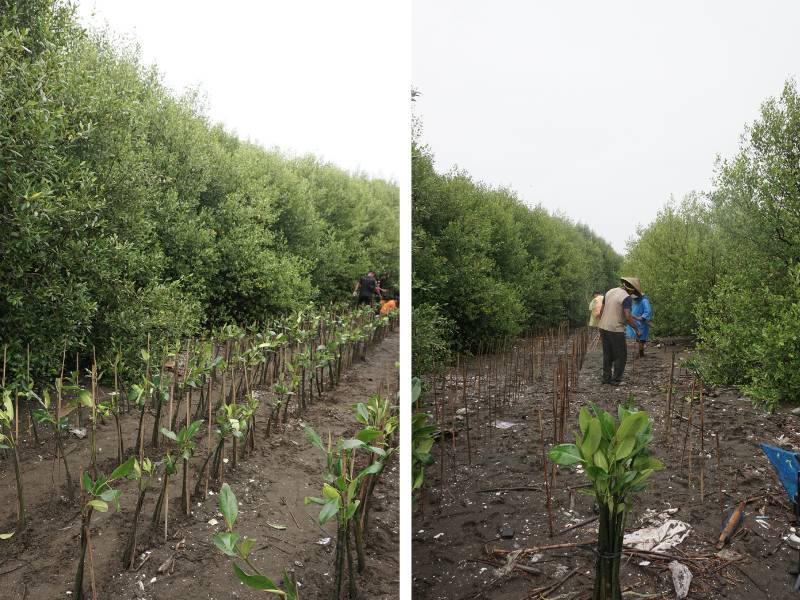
<point x="613" y="318"/>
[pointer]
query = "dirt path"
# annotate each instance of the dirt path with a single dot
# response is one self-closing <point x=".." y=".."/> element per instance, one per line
<point x="449" y="553"/>
<point x="270" y="486"/>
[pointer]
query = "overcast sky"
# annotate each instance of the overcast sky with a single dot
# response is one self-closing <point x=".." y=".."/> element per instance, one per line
<point x="598" y="109"/>
<point x="307" y="75"/>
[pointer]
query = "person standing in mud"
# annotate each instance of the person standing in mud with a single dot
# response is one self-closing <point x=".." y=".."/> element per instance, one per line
<point x="595" y="308"/>
<point x="642" y="312"/>
<point x="616" y="312"/>
<point x="365" y="289"/>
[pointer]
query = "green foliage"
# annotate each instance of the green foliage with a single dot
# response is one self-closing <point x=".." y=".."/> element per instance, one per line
<point x="340" y="490"/>
<point x="233" y="545"/>
<point x="99" y="492"/>
<point x="726" y="268"/>
<point x="615" y="457"/>
<point x="125" y="213"/>
<point x="677" y="258"/>
<point x="486" y="266"/>
<point x="423" y="436"/>
<point x="613" y="453"/>
<point x="184" y="438"/>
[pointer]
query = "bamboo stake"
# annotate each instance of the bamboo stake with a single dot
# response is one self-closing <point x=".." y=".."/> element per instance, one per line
<point x="544" y="470"/>
<point x="668" y="415"/>
<point x="466" y="416"/>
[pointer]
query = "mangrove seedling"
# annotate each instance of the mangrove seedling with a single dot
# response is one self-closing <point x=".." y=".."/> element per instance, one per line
<point x="185" y="450"/>
<point x="228" y="426"/>
<point x="142" y="473"/>
<point x="232" y="544"/>
<point x="340" y="498"/>
<point x="43" y="416"/>
<point x="110" y="407"/>
<point x="380" y="419"/>
<point x="8" y="441"/>
<point x="247" y="415"/>
<point x="96" y="494"/>
<point x="615" y="456"/>
<point x="423" y="436"/>
<point x="162" y="504"/>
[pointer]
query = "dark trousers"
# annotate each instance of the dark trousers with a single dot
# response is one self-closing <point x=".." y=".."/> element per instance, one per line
<point x="615" y="354"/>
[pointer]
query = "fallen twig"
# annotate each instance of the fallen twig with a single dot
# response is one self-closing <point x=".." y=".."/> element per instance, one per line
<point x="537" y="549"/>
<point x="553" y="586"/>
<point x="523" y="488"/>
<point x="581" y="524"/>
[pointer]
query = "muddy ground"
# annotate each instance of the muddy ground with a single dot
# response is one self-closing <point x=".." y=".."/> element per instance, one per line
<point x="270" y="486"/>
<point x="461" y="515"/>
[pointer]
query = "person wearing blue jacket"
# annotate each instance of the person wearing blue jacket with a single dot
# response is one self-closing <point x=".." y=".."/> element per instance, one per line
<point x="642" y="312"/>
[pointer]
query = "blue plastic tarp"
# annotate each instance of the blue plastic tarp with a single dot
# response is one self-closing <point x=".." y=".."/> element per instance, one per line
<point x="786" y="465"/>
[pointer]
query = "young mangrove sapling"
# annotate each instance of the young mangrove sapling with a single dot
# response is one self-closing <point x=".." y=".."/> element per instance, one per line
<point x="616" y="459"/>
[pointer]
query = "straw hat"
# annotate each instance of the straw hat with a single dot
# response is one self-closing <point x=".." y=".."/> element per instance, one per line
<point x="633" y="282"/>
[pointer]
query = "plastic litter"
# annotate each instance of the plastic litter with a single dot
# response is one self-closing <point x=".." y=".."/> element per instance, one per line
<point x="659" y="538"/>
<point x="681" y="578"/>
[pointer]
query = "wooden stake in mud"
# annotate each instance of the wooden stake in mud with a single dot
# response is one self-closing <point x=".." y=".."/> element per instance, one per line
<point x="688" y="426"/>
<point x="668" y="412"/>
<point x="94" y="413"/>
<point x="544" y="472"/>
<point x="466" y="416"/>
<point x="702" y="445"/>
<point x="208" y="439"/>
<point x="441" y="432"/>
<point x="451" y="396"/>
<point x="716" y="475"/>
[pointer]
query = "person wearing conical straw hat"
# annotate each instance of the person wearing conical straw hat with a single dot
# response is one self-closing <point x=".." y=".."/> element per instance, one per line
<point x="616" y="313"/>
<point x="642" y="312"/>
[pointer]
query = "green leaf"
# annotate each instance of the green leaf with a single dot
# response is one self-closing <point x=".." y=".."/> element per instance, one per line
<point x="226" y="542"/>
<point x="195" y="425"/>
<point x="607" y="424"/>
<point x="362" y="414"/>
<point x="314" y="438"/>
<point x="349" y="444"/>
<point x="246" y="546"/>
<point x="631" y="424"/>
<point x="583" y="419"/>
<point x="600" y="460"/>
<point x="257" y="582"/>
<point x="110" y="495"/>
<point x="591" y="441"/>
<point x="329" y="492"/>
<point x="372" y="469"/>
<point x="329" y="510"/>
<point x="98" y="505"/>
<point x="565" y="454"/>
<point x="6" y="536"/>
<point x="368" y="434"/>
<point x="625" y="448"/>
<point x="85" y="398"/>
<point x="228" y="505"/>
<point x="88" y="484"/>
<point x="278" y="527"/>
<point x="351" y="509"/>
<point x="123" y="470"/>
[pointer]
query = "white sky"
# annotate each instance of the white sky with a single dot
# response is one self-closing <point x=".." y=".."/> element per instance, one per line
<point x="307" y="76"/>
<point x="598" y="109"/>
